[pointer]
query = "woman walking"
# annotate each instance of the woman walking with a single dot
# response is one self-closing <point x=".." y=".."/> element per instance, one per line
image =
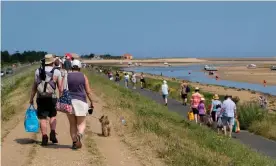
<point x="142" y="80"/>
<point x="133" y="79"/>
<point x="215" y="107"/>
<point x="126" y="79"/>
<point x="201" y="111"/>
<point x="78" y="86"/>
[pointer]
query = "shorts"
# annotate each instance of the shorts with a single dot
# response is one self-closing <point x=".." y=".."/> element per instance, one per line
<point x="214" y="113"/>
<point x="165" y="96"/>
<point x="143" y="80"/>
<point x="80" y="108"/>
<point x="202" y="118"/>
<point x="195" y="111"/>
<point x="46" y="107"/>
<point x="184" y="96"/>
<point x="227" y="121"/>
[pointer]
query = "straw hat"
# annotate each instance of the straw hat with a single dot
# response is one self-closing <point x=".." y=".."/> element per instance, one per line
<point x="197" y="88"/>
<point x="216" y="97"/>
<point x="202" y="99"/>
<point x="49" y="58"/>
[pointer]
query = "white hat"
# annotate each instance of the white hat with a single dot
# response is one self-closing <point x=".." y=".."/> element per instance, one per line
<point x="164" y="81"/>
<point x="202" y="99"/>
<point x="197" y="88"/>
<point x="76" y="62"/>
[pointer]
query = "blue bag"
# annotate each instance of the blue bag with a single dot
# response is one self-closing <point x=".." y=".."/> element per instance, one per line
<point x="31" y="122"/>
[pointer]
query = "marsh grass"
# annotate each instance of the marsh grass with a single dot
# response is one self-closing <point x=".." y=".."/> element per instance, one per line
<point x="174" y="140"/>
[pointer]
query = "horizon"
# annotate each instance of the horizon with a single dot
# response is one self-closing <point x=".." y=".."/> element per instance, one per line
<point x="143" y="29"/>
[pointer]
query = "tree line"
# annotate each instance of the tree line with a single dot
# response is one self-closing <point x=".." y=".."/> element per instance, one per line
<point x="31" y="56"/>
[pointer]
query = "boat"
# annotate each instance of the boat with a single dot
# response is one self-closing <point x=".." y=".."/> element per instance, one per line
<point x="251" y="66"/>
<point x="273" y="67"/>
<point x="210" y="68"/>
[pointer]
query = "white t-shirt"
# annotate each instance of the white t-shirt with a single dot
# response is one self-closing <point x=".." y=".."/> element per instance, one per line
<point x="165" y="89"/>
<point x="48" y="69"/>
<point x="127" y="77"/>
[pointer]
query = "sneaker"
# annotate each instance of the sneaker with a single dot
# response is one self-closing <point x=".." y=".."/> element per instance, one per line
<point x="74" y="146"/>
<point x="44" y="140"/>
<point x="166" y="104"/>
<point x="78" y="143"/>
<point x="53" y="137"/>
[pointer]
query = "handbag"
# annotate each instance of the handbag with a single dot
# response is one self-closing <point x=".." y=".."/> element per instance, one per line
<point x="31" y="122"/>
<point x="64" y="103"/>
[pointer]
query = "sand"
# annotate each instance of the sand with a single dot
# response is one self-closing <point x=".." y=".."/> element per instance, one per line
<point x="243" y="74"/>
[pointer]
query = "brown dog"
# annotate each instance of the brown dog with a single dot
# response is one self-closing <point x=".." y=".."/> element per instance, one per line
<point x="105" y="126"/>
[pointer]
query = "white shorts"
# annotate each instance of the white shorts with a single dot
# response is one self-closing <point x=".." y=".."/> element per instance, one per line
<point x="80" y="108"/>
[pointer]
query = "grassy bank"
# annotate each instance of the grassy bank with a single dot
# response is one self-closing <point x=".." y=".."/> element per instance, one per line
<point x="170" y="136"/>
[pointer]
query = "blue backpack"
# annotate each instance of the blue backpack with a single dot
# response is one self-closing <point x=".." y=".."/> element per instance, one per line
<point x="31" y="122"/>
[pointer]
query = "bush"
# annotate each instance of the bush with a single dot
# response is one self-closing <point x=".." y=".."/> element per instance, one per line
<point x="248" y="113"/>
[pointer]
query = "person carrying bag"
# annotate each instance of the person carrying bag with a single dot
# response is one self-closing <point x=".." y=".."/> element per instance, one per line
<point x="64" y="103"/>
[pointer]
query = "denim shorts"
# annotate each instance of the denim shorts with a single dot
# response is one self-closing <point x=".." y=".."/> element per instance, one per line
<point x="165" y="96"/>
<point x="227" y="120"/>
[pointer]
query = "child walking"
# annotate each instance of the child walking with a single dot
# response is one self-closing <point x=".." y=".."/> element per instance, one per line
<point x="201" y="111"/>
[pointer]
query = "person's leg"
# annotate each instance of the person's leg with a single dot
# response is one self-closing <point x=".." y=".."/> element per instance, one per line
<point x="185" y="100"/>
<point x="53" y="121"/>
<point x="42" y="115"/>
<point x="81" y="127"/>
<point x="73" y="126"/>
<point x="231" y="124"/>
<point x="225" y="124"/>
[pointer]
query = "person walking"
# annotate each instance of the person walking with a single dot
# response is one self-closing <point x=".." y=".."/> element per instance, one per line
<point x="195" y="99"/>
<point x="117" y="77"/>
<point x="45" y="83"/>
<point x="165" y="92"/>
<point x="228" y="114"/>
<point x="215" y="107"/>
<point x="184" y="90"/>
<point x="133" y="79"/>
<point x="79" y="87"/>
<point x="201" y="111"/>
<point x="142" y="80"/>
<point x="126" y="79"/>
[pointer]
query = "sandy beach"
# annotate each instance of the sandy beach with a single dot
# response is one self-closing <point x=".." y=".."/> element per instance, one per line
<point x="243" y="74"/>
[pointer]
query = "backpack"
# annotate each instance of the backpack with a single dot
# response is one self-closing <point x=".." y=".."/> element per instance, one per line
<point x="46" y="86"/>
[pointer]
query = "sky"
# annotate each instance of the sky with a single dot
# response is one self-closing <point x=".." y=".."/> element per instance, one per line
<point x="143" y="29"/>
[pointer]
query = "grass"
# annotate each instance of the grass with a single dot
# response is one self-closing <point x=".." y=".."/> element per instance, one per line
<point x="173" y="139"/>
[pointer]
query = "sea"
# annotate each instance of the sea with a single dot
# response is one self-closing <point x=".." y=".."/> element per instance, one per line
<point x="194" y="73"/>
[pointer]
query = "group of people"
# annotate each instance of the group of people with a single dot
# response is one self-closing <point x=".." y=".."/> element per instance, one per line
<point x="127" y="78"/>
<point x="51" y="79"/>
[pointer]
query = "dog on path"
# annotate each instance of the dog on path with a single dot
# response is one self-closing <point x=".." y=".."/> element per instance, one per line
<point x="105" y="126"/>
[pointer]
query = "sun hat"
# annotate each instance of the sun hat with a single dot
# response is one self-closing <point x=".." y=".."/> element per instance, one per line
<point x="77" y="63"/>
<point x="197" y="88"/>
<point x="216" y="97"/>
<point x="164" y="81"/>
<point x="49" y="58"/>
<point x="68" y="55"/>
<point x="202" y="99"/>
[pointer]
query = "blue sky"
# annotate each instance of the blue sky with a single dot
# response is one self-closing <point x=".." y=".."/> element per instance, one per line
<point x="144" y="29"/>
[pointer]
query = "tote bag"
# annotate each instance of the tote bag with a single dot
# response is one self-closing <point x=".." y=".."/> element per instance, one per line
<point x="64" y="103"/>
<point x="31" y="122"/>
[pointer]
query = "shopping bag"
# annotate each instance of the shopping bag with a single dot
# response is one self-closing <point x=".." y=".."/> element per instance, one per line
<point x="219" y="123"/>
<point x="64" y="103"/>
<point x="31" y="122"/>
<point x="191" y="115"/>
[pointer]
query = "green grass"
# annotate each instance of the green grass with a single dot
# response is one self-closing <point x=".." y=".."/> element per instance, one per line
<point x="176" y="141"/>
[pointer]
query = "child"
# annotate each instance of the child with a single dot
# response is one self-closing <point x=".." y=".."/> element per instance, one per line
<point x="201" y="111"/>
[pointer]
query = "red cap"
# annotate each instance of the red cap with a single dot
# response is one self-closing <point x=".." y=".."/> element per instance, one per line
<point x="68" y="55"/>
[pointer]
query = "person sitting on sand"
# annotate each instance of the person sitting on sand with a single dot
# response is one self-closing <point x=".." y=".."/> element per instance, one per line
<point x="215" y="107"/>
<point x="165" y="92"/>
<point x="195" y="99"/>
<point x="184" y="90"/>
<point x="201" y="111"/>
<point x="228" y="114"/>
<point x="142" y="80"/>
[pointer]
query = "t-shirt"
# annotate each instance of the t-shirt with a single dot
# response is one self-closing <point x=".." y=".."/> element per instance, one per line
<point x="133" y="78"/>
<point x="195" y="99"/>
<point x="126" y="77"/>
<point x="67" y="64"/>
<point x="215" y="103"/>
<point x="48" y="69"/>
<point x="165" y="89"/>
<point x="229" y="108"/>
<point x="201" y="108"/>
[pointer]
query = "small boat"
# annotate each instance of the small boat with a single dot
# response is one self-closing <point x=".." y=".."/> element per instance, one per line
<point x="210" y="68"/>
<point x="273" y="67"/>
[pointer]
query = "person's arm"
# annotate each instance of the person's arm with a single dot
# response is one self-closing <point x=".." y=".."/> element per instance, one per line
<point x="235" y="111"/>
<point x="88" y="90"/>
<point x="34" y="90"/>
<point x="211" y="107"/>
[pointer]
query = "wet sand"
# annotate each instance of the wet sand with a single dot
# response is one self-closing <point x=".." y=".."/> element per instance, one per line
<point x="243" y="74"/>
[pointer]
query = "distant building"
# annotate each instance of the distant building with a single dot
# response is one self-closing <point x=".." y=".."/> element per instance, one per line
<point x="127" y="56"/>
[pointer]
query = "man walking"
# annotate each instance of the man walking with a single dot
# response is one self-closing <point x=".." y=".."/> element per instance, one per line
<point x="165" y="92"/>
<point x="228" y="114"/>
<point x="184" y="90"/>
<point x="46" y="79"/>
<point x="195" y="100"/>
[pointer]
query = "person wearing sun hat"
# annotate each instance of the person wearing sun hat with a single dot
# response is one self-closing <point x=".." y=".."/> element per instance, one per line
<point x="195" y="100"/>
<point x="201" y="110"/>
<point x="215" y="108"/>
<point x="46" y="105"/>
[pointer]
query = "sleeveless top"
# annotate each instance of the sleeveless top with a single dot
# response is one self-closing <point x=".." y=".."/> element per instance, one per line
<point x="76" y="86"/>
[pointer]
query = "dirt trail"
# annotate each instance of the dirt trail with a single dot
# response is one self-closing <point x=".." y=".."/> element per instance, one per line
<point x="23" y="149"/>
<point x="113" y="150"/>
